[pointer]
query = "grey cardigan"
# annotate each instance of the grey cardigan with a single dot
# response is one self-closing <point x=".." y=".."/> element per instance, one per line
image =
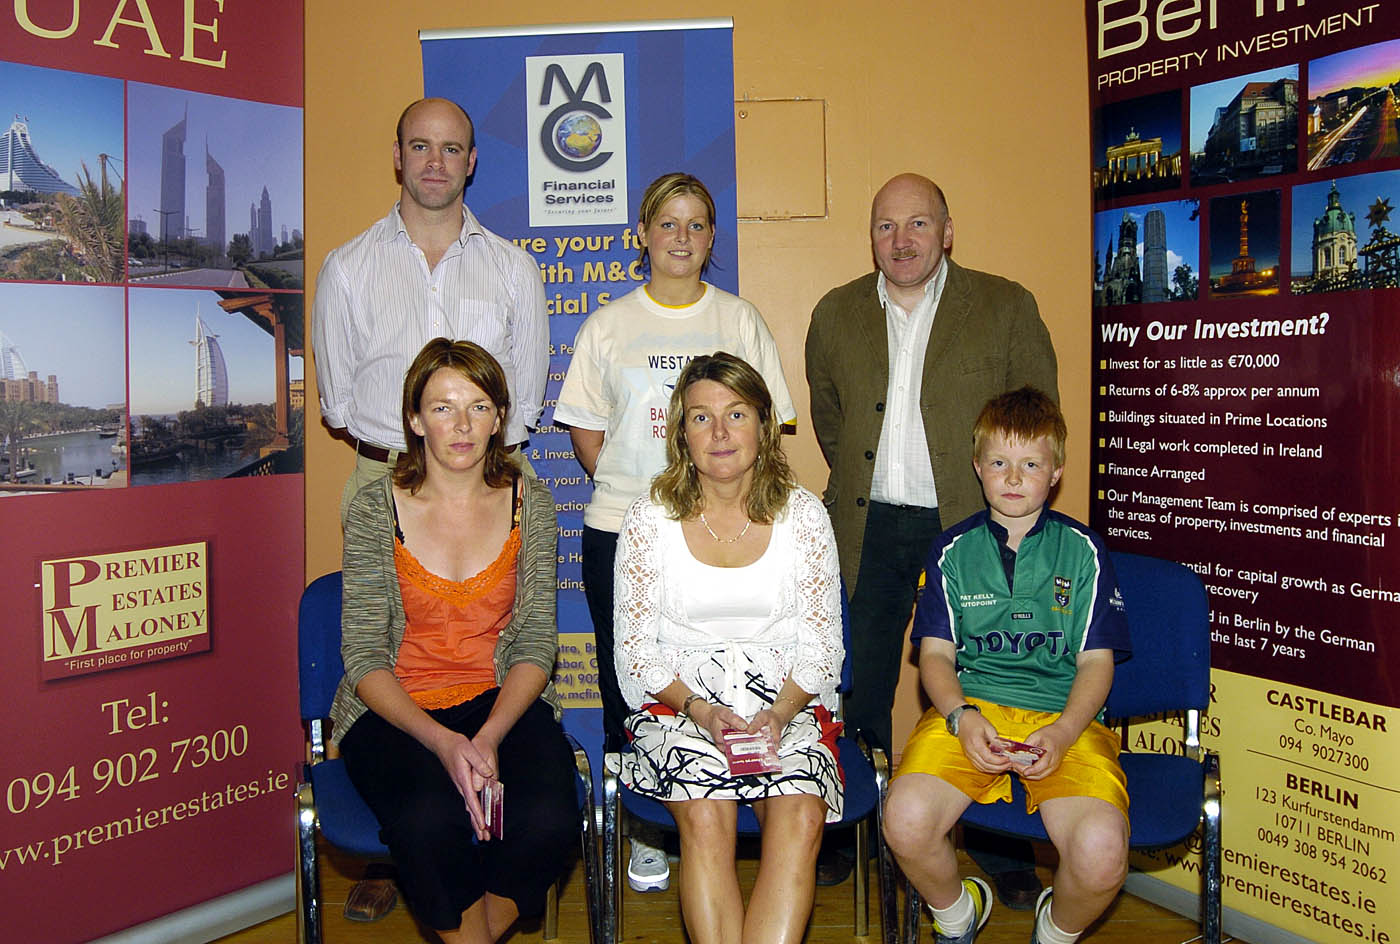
<point x="372" y="617"/>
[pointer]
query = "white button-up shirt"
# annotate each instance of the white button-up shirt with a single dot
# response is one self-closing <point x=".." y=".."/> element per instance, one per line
<point x="903" y="474"/>
<point x="377" y="303"/>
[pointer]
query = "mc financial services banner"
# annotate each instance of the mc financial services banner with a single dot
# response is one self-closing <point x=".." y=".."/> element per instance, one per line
<point x="572" y="123"/>
<point x="150" y="457"/>
<point x="1246" y="162"/>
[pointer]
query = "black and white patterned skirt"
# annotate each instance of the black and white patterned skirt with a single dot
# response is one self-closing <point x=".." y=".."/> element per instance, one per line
<point x="673" y="758"/>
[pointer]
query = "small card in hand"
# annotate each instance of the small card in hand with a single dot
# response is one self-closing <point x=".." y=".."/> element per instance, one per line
<point x="1018" y="751"/>
<point x="750" y="753"/>
<point x="493" y="806"/>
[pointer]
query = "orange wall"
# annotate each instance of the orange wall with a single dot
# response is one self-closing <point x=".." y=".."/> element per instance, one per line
<point x="989" y="99"/>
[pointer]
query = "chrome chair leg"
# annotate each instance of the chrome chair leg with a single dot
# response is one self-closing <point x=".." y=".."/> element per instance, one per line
<point x="612" y="857"/>
<point x="913" y="907"/>
<point x="308" y="878"/>
<point x="862" y="879"/>
<point x="889" y="907"/>
<point x="592" y="880"/>
<point x="1211" y="853"/>
<point x="551" y="913"/>
<point x="588" y="841"/>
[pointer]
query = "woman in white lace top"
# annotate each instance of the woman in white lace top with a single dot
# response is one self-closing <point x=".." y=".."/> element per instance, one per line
<point x="728" y="616"/>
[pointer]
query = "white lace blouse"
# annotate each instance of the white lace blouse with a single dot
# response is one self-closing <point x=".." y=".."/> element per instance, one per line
<point x="778" y="616"/>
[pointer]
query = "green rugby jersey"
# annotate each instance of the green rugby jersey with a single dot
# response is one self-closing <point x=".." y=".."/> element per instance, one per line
<point x="1017" y="641"/>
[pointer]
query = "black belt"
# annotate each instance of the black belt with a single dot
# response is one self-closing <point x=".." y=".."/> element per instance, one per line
<point x="371" y="451"/>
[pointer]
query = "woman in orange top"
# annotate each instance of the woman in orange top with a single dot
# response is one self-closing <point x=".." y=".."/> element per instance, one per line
<point x="449" y="639"/>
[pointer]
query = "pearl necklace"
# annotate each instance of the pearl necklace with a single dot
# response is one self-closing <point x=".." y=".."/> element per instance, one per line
<point x="733" y="540"/>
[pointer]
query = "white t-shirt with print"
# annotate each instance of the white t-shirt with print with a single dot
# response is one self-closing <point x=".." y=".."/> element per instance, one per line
<point x="627" y="358"/>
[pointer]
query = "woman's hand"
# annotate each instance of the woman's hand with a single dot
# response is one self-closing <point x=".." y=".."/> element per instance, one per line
<point x="773" y="720"/>
<point x="470" y="763"/>
<point x="779" y="714"/>
<point x="716" y="719"/>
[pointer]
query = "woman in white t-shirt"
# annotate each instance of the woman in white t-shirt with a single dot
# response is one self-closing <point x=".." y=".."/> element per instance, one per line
<point x="729" y="619"/>
<point x="614" y="398"/>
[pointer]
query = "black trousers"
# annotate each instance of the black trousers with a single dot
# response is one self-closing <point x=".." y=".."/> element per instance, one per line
<point x="599" y="556"/>
<point x="443" y="870"/>
<point x="897" y="542"/>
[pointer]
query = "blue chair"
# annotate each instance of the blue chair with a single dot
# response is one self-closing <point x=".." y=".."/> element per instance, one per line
<point x="1170" y="797"/>
<point x="327" y="801"/>
<point x="866" y="769"/>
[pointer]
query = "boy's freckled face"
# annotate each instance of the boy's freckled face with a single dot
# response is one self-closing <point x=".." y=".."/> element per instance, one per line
<point x="1016" y="476"/>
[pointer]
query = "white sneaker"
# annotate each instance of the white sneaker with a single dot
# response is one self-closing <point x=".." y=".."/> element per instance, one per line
<point x="648" y="870"/>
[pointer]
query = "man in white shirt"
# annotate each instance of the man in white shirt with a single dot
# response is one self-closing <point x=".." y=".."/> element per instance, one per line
<point x="429" y="269"/>
<point x="900" y="362"/>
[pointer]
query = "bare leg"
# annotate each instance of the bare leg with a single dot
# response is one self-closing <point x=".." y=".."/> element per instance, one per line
<point x="781" y="903"/>
<point x="710" y="900"/>
<point x="484" y="922"/>
<point x="1092" y="838"/>
<point x="920" y="813"/>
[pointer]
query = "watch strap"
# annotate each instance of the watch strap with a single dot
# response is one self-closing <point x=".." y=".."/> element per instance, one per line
<point x="951" y="721"/>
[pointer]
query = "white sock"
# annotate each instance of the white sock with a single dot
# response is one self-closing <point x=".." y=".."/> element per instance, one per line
<point x="957" y="917"/>
<point x="1048" y="932"/>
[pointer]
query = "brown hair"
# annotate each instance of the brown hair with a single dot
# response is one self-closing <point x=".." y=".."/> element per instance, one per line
<point x="677" y="487"/>
<point x="477" y="365"/>
<point x="663" y="188"/>
<point x="1023" y="415"/>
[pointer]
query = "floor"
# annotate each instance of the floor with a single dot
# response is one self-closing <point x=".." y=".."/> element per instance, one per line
<point x="655" y="917"/>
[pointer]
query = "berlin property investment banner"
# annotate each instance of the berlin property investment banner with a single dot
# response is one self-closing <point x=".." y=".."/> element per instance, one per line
<point x="150" y="457"/>
<point x="1246" y="402"/>
<point x="572" y="123"/>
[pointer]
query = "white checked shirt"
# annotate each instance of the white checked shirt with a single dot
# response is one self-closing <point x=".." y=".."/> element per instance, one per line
<point x="903" y="474"/>
<point x="377" y="304"/>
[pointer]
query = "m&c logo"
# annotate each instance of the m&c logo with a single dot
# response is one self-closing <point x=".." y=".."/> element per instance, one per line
<point x="572" y="134"/>
<point x="576" y="108"/>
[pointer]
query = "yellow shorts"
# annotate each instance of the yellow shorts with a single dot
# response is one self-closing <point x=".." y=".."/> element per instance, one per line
<point x="1089" y="768"/>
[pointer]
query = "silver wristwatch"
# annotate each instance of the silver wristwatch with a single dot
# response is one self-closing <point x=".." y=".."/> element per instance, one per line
<point x="952" y="719"/>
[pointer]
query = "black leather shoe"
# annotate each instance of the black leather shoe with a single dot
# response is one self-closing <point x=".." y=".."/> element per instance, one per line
<point x="1018" y="890"/>
<point x="834" y="867"/>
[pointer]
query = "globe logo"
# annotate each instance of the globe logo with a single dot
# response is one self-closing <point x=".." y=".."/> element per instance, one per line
<point x="578" y="135"/>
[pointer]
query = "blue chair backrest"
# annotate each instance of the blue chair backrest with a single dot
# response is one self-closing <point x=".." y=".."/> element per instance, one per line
<point x="318" y="646"/>
<point x="1169" y="619"/>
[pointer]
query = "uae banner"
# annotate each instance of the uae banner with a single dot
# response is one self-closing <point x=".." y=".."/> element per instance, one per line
<point x="150" y="459"/>
<point x="572" y="123"/>
<point x="1246" y="401"/>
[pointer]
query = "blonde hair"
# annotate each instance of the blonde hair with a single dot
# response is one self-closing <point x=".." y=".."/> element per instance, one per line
<point x="663" y="188"/>
<point x="677" y="487"/>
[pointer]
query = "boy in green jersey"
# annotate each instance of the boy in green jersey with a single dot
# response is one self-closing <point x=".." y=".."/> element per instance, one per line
<point x="1017" y="630"/>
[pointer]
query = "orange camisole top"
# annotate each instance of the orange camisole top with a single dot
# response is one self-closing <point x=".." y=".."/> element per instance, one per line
<point x="452" y="627"/>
